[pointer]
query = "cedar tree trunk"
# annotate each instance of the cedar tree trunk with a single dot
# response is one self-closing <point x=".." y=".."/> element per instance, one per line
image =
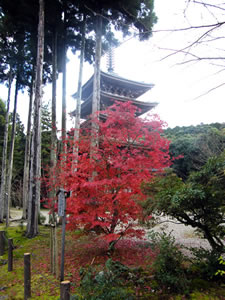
<point x="11" y="155"/>
<point x="27" y="154"/>
<point x="4" y="153"/>
<point x="35" y="171"/>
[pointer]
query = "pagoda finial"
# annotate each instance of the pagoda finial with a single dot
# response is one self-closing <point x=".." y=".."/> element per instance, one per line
<point x="110" y="59"/>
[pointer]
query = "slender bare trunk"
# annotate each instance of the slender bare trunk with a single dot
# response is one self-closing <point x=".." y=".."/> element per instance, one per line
<point x="79" y="95"/>
<point x="54" y="85"/>
<point x="11" y="155"/>
<point x="34" y="194"/>
<point x="4" y="153"/>
<point x="96" y="82"/>
<point x="64" y="79"/>
<point x="53" y="158"/>
<point x="97" y="66"/>
<point x="64" y="97"/>
<point x="27" y="154"/>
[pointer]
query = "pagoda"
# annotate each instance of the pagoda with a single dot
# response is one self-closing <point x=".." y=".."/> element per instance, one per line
<point x="114" y="88"/>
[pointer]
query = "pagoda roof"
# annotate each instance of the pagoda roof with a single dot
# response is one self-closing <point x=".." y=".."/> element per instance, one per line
<point x="134" y="88"/>
<point x="107" y="100"/>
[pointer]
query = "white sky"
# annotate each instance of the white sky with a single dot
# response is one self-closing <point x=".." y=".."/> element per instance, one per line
<point x="176" y="86"/>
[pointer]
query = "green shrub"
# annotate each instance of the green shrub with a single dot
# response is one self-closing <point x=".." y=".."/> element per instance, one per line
<point x="168" y="265"/>
<point x="206" y="263"/>
<point x="220" y="271"/>
<point x="115" y="281"/>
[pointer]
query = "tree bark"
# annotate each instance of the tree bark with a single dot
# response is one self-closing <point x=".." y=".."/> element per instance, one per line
<point x="96" y="82"/>
<point x="54" y="85"/>
<point x="97" y="66"/>
<point x="11" y="156"/>
<point x="53" y="158"/>
<point x="27" y="154"/>
<point x="79" y="96"/>
<point x="64" y="97"/>
<point x="64" y="80"/>
<point x="4" y="153"/>
<point x="34" y="193"/>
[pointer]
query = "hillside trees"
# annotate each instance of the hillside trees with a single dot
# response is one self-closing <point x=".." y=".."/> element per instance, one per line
<point x="195" y="144"/>
<point x="131" y="150"/>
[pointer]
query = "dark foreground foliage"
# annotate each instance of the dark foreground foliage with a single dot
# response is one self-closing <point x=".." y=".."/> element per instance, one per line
<point x="153" y="269"/>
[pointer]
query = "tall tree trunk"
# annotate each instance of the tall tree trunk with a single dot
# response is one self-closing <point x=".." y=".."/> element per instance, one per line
<point x="53" y="158"/>
<point x="96" y="82"/>
<point x="34" y="193"/>
<point x="27" y="153"/>
<point x="64" y="79"/>
<point x="54" y="85"/>
<point x="64" y="96"/>
<point x="4" y="153"/>
<point x="11" y="156"/>
<point x="97" y="66"/>
<point x="79" y="95"/>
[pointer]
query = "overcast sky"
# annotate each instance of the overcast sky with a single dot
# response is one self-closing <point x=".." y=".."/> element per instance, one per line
<point x="176" y="85"/>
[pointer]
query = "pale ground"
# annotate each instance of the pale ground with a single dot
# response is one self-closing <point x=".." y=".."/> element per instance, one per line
<point x="184" y="235"/>
<point x="16" y="214"/>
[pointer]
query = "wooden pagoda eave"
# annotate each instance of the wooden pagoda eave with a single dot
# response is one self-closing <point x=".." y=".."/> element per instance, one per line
<point x="108" y="99"/>
<point x="115" y="80"/>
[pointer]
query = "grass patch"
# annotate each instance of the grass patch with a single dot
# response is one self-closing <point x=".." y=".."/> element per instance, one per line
<point x="43" y="284"/>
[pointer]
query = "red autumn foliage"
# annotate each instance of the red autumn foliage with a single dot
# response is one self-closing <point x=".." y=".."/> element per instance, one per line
<point x="106" y="184"/>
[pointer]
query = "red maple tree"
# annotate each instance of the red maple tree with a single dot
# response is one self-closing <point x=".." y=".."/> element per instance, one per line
<point x="106" y="184"/>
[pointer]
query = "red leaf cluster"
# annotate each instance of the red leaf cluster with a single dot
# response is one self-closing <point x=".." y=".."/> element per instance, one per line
<point x="105" y="177"/>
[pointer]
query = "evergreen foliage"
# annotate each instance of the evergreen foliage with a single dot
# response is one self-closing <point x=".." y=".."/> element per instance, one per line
<point x="199" y="202"/>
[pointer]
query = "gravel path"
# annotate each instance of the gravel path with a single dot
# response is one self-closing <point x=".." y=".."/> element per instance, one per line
<point x="184" y="235"/>
<point x="16" y="215"/>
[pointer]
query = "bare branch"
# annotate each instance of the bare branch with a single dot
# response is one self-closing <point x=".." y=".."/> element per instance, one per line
<point x="209" y="91"/>
<point x="195" y="42"/>
<point x="209" y="5"/>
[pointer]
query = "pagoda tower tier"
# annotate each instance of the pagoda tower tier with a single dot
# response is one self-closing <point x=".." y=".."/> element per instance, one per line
<point x="114" y="88"/>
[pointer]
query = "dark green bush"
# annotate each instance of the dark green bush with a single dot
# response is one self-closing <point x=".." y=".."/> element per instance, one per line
<point x="115" y="281"/>
<point x="206" y="263"/>
<point x="168" y="268"/>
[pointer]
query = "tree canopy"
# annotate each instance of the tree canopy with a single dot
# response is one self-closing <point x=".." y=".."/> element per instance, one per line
<point x="106" y="186"/>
